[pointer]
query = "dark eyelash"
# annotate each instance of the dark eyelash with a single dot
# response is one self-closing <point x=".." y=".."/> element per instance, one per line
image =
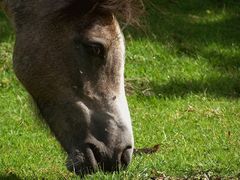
<point x="95" y="49"/>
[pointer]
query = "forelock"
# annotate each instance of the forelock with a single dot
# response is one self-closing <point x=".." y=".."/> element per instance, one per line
<point x="127" y="10"/>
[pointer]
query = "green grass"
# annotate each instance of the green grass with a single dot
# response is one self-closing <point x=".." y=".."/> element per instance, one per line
<point x="183" y="84"/>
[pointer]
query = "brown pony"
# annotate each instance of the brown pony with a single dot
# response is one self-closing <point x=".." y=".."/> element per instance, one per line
<point x="69" y="55"/>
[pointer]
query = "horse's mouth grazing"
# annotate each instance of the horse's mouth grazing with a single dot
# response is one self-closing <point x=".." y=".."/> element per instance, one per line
<point x="82" y="163"/>
<point x="91" y="160"/>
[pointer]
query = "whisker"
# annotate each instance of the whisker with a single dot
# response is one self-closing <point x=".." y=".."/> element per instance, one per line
<point x="73" y="163"/>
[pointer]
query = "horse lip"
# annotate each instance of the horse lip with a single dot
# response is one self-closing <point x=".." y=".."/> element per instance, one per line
<point x="74" y="160"/>
<point x="82" y="163"/>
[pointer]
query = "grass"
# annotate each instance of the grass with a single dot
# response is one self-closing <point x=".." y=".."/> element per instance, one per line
<point x="183" y="84"/>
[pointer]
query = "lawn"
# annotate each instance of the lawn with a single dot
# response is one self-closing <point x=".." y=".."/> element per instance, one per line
<point x="183" y="83"/>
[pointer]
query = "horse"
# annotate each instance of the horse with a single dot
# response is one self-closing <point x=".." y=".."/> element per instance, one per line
<point x="70" y="55"/>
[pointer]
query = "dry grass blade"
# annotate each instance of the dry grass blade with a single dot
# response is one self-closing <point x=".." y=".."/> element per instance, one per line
<point x="147" y="150"/>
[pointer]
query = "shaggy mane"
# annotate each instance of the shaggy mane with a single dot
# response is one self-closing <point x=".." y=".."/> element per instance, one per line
<point x="127" y="10"/>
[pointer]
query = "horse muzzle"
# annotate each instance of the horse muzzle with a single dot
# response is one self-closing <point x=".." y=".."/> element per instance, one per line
<point x="96" y="157"/>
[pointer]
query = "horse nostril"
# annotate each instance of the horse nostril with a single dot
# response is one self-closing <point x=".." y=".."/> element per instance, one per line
<point x="126" y="156"/>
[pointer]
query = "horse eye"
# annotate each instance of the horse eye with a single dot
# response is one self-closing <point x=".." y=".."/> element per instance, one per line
<point x="96" y="49"/>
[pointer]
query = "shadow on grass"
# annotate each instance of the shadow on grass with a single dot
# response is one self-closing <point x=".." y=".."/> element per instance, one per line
<point x="220" y="87"/>
<point x="192" y="21"/>
<point x="181" y="26"/>
<point x="192" y="28"/>
<point x="9" y="177"/>
<point x="177" y="87"/>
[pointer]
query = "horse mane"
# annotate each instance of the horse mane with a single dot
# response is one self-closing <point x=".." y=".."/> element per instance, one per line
<point x="127" y="11"/>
